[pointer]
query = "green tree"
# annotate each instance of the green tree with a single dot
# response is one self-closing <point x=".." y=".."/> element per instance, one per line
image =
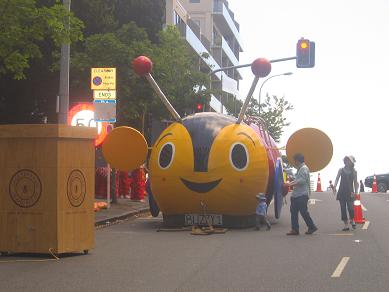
<point x="233" y="106"/>
<point x="149" y="14"/>
<point x="117" y="50"/>
<point x="111" y="40"/>
<point x="24" y="26"/>
<point x="175" y="69"/>
<point x="177" y="72"/>
<point x="272" y="112"/>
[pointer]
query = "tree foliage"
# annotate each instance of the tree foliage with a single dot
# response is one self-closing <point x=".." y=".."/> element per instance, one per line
<point x="112" y="38"/>
<point x="24" y="26"/>
<point x="174" y="69"/>
<point x="102" y="16"/>
<point x="149" y="14"/>
<point x="114" y="49"/>
<point x="177" y="71"/>
<point x="272" y="111"/>
<point x="233" y="106"/>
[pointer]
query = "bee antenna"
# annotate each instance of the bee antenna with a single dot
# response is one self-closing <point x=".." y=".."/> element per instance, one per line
<point x="143" y="66"/>
<point x="247" y="101"/>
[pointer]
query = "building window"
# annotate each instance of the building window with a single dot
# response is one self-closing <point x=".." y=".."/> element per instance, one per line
<point x="194" y="1"/>
<point x="177" y="18"/>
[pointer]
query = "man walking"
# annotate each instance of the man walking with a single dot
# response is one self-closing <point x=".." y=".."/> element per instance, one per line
<point x="300" y="196"/>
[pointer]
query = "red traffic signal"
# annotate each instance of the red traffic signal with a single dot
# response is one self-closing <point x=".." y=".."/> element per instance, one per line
<point x="199" y="107"/>
<point x="305" y="54"/>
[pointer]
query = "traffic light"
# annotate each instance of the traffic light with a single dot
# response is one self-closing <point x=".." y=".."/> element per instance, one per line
<point x="199" y="107"/>
<point x="305" y="54"/>
<point x="200" y="101"/>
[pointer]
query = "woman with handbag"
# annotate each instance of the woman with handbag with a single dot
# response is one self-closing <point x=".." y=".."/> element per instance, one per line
<point x="347" y="189"/>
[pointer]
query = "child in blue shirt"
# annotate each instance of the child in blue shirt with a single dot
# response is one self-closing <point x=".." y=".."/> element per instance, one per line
<point x="260" y="212"/>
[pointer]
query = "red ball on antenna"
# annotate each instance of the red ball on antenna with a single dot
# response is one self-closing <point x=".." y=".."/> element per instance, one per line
<point x="261" y="67"/>
<point x="142" y="65"/>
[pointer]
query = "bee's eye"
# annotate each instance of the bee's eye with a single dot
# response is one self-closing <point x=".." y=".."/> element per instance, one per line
<point x="166" y="155"/>
<point x="239" y="156"/>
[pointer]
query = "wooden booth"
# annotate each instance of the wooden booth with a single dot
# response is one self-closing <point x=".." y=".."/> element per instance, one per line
<point x="46" y="188"/>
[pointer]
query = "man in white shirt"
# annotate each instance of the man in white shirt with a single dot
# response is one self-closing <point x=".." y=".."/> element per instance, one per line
<point x="300" y="196"/>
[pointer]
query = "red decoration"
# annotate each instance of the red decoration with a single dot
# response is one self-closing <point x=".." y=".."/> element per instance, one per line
<point x="101" y="182"/>
<point x="124" y="184"/>
<point x="138" y="185"/>
<point x="142" y="65"/>
<point x="261" y="67"/>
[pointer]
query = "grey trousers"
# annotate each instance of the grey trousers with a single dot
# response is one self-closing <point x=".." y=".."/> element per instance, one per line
<point x="261" y="220"/>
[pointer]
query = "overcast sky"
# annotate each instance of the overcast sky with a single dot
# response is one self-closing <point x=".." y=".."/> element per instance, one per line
<point x="346" y="94"/>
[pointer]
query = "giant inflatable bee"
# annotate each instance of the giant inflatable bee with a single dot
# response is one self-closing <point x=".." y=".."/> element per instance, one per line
<point x="209" y="165"/>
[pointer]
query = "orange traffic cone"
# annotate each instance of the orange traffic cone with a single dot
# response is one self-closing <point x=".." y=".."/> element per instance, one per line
<point x="358" y="217"/>
<point x="318" y="187"/>
<point x="374" y="186"/>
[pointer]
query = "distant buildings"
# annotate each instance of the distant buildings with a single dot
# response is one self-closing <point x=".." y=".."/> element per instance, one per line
<point x="209" y="27"/>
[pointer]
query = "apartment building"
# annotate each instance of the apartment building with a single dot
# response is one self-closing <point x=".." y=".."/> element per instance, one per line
<point x="209" y="27"/>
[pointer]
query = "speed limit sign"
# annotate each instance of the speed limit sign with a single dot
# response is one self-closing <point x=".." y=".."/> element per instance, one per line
<point x="82" y="115"/>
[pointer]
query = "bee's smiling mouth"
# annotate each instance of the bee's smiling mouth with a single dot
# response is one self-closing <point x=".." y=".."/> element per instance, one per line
<point x="200" y="187"/>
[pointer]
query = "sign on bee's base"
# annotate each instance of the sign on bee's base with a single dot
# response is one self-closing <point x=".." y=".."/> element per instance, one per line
<point x="217" y="220"/>
<point x="201" y="219"/>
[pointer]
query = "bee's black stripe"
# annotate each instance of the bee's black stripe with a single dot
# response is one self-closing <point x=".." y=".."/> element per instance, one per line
<point x="203" y="128"/>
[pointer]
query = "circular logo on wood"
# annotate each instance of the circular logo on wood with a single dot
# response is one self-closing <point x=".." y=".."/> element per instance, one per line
<point x="25" y="188"/>
<point x="76" y="188"/>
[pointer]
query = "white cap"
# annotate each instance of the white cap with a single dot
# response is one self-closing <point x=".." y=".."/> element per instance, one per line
<point x="352" y="158"/>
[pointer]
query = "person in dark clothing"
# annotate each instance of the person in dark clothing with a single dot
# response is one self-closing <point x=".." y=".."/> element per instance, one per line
<point x="347" y="189"/>
<point x="361" y="187"/>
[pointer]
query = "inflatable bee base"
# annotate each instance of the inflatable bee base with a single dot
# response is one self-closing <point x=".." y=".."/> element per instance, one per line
<point x="225" y="221"/>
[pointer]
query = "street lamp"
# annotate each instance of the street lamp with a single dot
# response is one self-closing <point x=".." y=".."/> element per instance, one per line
<point x="63" y="98"/>
<point x="260" y="89"/>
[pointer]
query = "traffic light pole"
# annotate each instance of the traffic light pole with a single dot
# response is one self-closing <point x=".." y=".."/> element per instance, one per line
<point x="247" y="65"/>
<point x="253" y="87"/>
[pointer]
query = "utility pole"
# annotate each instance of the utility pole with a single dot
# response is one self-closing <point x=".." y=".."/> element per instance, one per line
<point x="64" y="76"/>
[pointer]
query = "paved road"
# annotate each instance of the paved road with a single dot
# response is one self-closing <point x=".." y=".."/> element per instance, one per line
<point x="132" y="256"/>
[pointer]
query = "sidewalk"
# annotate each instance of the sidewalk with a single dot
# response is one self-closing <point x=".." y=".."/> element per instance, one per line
<point x="123" y="209"/>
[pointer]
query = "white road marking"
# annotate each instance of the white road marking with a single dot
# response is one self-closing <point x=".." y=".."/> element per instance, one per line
<point x="366" y="225"/>
<point x="339" y="269"/>
<point x="363" y="207"/>
<point x="313" y="201"/>
<point x="342" y="234"/>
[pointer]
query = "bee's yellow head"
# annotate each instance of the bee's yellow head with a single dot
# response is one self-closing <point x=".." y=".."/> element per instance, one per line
<point x="209" y="158"/>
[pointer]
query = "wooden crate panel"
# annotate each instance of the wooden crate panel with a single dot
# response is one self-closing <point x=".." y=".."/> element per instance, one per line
<point x="47" y="188"/>
<point x="28" y="231"/>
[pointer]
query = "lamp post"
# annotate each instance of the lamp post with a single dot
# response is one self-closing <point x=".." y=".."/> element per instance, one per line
<point x="260" y="89"/>
<point x="63" y="99"/>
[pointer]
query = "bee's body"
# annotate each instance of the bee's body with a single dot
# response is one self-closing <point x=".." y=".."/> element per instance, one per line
<point x="213" y="163"/>
<point x="210" y="159"/>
